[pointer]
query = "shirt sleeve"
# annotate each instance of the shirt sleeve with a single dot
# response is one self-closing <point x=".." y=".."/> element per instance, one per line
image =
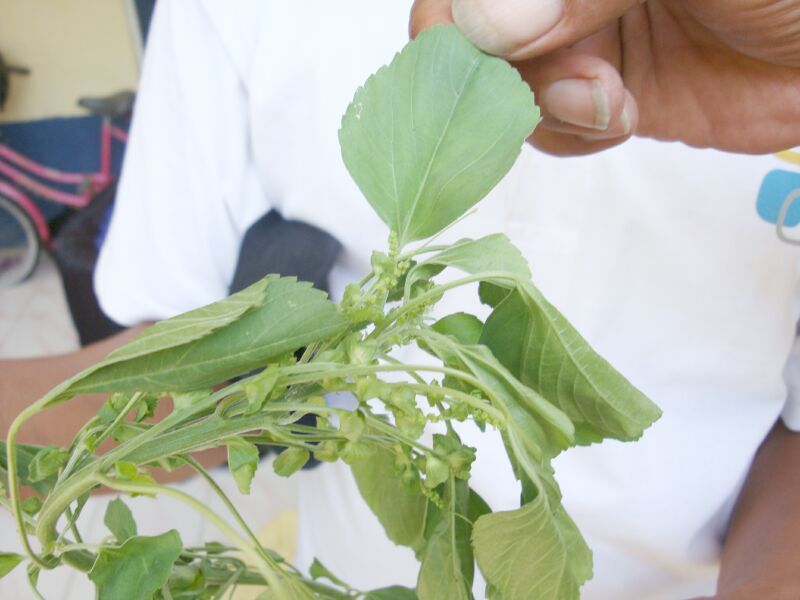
<point x="189" y="187"/>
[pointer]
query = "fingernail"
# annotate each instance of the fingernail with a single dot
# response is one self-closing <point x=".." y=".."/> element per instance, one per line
<point x="582" y="102"/>
<point x="625" y="119"/>
<point x="503" y="26"/>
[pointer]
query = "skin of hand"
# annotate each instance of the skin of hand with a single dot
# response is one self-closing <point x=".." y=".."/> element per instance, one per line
<point x="23" y="381"/>
<point x="710" y="73"/>
<point x="760" y="553"/>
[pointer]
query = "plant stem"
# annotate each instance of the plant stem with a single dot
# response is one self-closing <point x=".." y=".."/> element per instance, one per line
<point x="431" y="294"/>
<point x="264" y="567"/>
<point x="228" y="504"/>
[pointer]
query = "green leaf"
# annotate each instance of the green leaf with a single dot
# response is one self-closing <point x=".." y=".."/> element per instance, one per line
<point x="401" y="511"/>
<point x="535" y="430"/>
<point x="395" y="592"/>
<point x="8" y="561"/>
<point x="477" y="506"/>
<point x="31" y="505"/>
<point x="429" y="135"/>
<point x="447" y="565"/>
<point x="290" y="461"/>
<point x="554" y="430"/>
<point x="492" y="294"/>
<point x="193" y="325"/>
<point x="185" y="400"/>
<point x="260" y="388"/>
<point x="147" y="407"/>
<point x="242" y="462"/>
<point x="137" y="569"/>
<point x="233" y="337"/>
<point x="119" y="520"/>
<point x="466" y="328"/>
<point x="318" y="570"/>
<point x="532" y="552"/>
<point x="25" y="455"/>
<point x="490" y="254"/>
<point x="536" y="343"/>
<point x="47" y="462"/>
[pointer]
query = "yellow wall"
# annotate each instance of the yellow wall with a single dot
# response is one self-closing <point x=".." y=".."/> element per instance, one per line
<point x="73" y="47"/>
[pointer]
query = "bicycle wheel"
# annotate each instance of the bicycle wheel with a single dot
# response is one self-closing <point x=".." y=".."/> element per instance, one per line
<point x="19" y="244"/>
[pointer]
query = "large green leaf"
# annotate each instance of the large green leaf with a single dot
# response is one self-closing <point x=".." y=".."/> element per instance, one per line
<point x="402" y="511"/>
<point x="448" y="565"/>
<point x="536" y="343"/>
<point x="137" y="569"/>
<point x="192" y="325"/>
<point x="549" y="427"/>
<point x="290" y="315"/>
<point x="430" y="134"/>
<point x="532" y="552"/>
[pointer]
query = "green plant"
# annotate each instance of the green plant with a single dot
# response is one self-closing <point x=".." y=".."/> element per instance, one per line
<point x="425" y="139"/>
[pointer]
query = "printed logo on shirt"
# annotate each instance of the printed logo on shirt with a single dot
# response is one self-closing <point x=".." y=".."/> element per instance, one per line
<point x="780" y="192"/>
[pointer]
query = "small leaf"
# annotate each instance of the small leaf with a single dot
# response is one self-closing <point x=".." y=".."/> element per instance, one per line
<point x="395" y="592"/>
<point x="290" y="461"/>
<point x="492" y="294"/>
<point x="137" y="569"/>
<point x="8" y="561"/>
<point x="242" y="462"/>
<point x="536" y="343"/>
<point x="436" y="471"/>
<point x="112" y="407"/>
<point x="25" y="455"/>
<point x="31" y="506"/>
<point x="351" y="425"/>
<point x="186" y="400"/>
<point x="402" y="511"/>
<point x="447" y="567"/>
<point x="491" y="254"/>
<point x="532" y="552"/>
<point x="318" y="570"/>
<point x="47" y="462"/>
<point x="147" y="407"/>
<point x="119" y="520"/>
<point x="429" y="135"/>
<point x="259" y="389"/>
<point x="466" y="328"/>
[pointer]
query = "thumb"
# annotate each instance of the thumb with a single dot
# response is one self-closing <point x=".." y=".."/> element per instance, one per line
<point x="520" y="29"/>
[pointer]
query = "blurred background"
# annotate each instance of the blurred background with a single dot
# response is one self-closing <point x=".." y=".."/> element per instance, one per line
<point x="57" y="53"/>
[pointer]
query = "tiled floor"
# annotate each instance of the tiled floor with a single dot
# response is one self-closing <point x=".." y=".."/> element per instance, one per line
<point x="34" y="321"/>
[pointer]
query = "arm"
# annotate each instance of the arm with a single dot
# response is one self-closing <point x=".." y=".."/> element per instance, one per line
<point x="762" y="550"/>
<point x="24" y="381"/>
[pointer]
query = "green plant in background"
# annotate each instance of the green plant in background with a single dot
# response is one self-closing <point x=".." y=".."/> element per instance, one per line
<point x="425" y="139"/>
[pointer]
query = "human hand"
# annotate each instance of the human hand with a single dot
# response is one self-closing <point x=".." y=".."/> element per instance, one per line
<point x="718" y="73"/>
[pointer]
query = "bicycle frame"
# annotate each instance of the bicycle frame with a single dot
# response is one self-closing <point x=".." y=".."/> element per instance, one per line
<point x="13" y="166"/>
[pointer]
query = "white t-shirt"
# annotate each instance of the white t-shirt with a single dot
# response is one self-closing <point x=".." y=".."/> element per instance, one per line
<point x="656" y="253"/>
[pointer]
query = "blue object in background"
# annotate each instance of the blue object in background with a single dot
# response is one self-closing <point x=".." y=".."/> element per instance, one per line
<point x="66" y="144"/>
<point x="144" y="11"/>
<point x="775" y="188"/>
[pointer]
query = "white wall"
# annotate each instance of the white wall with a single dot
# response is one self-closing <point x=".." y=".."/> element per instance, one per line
<point x="73" y="47"/>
